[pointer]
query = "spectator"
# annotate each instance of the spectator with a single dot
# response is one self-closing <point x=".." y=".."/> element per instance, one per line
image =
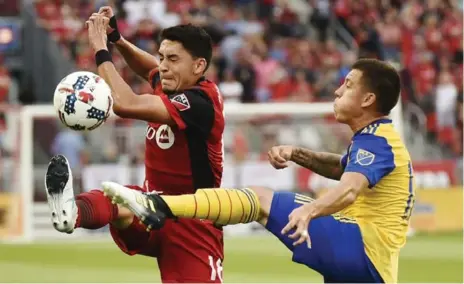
<point x="5" y="82"/>
<point x="445" y="102"/>
<point x="321" y="17"/>
<point x="230" y="88"/>
<point x="72" y="145"/>
<point x="263" y="45"/>
<point x="246" y="75"/>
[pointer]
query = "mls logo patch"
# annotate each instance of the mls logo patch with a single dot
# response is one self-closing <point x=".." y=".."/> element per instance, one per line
<point x="364" y="158"/>
<point x="181" y="102"/>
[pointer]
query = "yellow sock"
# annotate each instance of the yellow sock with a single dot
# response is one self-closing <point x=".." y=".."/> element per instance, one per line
<point x="220" y="205"/>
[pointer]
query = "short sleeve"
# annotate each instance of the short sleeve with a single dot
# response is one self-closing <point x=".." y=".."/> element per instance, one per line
<point x="344" y="160"/>
<point x="192" y="109"/>
<point x="371" y="156"/>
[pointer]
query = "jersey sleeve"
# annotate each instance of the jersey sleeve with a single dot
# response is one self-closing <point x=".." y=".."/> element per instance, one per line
<point x="192" y="109"/>
<point x="154" y="78"/>
<point x="344" y="160"/>
<point x="370" y="156"/>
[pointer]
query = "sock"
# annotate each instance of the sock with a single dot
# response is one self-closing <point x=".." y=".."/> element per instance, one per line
<point x="94" y="210"/>
<point x="222" y="206"/>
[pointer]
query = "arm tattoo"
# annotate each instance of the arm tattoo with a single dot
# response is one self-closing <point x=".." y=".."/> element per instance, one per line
<point x="324" y="164"/>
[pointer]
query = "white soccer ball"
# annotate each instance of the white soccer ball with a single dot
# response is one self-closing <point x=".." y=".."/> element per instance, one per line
<point x="83" y="101"/>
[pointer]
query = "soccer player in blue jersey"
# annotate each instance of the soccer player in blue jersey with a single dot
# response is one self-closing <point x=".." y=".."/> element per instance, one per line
<point x="355" y="231"/>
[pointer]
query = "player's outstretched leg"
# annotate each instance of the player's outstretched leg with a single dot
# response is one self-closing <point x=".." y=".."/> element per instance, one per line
<point x="222" y="206"/>
<point x="89" y="210"/>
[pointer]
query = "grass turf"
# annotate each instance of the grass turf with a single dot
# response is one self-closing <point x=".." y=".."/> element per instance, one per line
<point x="426" y="258"/>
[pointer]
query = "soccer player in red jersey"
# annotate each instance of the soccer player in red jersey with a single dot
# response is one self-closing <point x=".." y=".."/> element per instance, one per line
<point x="184" y="151"/>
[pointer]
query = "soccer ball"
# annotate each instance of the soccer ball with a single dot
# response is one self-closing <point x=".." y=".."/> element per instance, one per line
<point x="83" y="101"/>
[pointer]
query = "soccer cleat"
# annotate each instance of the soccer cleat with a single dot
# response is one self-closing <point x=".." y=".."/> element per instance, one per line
<point x="150" y="208"/>
<point x="60" y="195"/>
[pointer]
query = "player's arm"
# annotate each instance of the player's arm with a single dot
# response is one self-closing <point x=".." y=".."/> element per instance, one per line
<point x="340" y="197"/>
<point x="191" y="109"/>
<point x="127" y="104"/>
<point x="325" y="164"/>
<point x="140" y="61"/>
<point x="371" y="158"/>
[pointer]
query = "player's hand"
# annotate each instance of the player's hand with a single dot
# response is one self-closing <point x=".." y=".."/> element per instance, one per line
<point x="107" y="11"/>
<point x="97" y="25"/>
<point x="298" y="221"/>
<point x="280" y="155"/>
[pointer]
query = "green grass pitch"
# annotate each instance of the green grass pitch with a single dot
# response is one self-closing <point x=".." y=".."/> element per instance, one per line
<point x="426" y="258"/>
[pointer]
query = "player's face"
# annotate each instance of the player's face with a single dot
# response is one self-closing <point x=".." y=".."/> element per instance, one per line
<point x="351" y="97"/>
<point x="178" y="69"/>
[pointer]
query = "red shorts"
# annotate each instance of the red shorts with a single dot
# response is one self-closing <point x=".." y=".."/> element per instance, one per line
<point x="187" y="250"/>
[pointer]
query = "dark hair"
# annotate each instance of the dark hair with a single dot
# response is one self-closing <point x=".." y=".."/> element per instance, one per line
<point x="194" y="39"/>
<point x="381" y="79"/>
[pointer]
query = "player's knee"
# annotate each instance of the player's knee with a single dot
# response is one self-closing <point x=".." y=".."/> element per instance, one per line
<point x="265" y="200"/>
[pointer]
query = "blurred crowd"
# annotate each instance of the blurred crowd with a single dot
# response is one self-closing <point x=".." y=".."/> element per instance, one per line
<point x="286" y="50"/>
<point x="5" y="83"/>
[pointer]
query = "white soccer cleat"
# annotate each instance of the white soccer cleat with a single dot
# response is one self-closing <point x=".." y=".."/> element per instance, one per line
<point x="149" y="208"/>
<point x="60" y="194"/>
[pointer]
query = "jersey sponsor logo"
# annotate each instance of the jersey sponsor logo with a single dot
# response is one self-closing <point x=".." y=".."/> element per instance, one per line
<point x="364" y="158"/>
<point x="163" y="136"/>
<point x="181" y="102"/>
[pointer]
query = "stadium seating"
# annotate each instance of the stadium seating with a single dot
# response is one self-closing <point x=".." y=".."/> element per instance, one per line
<point x="293" y="58"/>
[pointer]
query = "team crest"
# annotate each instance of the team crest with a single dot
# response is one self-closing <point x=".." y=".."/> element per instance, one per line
<point x="181" y="102"/>
<point x="364" y="158"/>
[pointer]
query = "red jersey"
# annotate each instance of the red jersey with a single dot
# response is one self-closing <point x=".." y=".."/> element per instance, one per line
<point x="188" y="155"/>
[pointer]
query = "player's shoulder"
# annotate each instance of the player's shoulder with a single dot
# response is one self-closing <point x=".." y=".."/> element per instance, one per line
<point x="206" y="89"/>
<point x="381" y="137"/>
<point x="377" y="136"/>
<point x="380" y="131"/>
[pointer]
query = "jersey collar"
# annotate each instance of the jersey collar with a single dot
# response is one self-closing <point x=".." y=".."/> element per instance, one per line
<point x="381" y="120"/>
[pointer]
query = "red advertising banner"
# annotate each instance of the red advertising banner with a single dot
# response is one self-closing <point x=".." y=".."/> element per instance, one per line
<point x="435" y="174"/>
<point x="428" y="174"/>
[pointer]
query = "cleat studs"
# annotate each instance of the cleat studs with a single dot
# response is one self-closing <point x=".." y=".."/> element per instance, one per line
<point x="55" y="224"/>
<point x="142" y="218"/>
<point x="64" y="212"/>
<point x="53" y="214"/>
<point x="65" y="223"/>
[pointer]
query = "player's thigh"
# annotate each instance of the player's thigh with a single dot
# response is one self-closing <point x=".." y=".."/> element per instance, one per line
<point x="265" y="200"/>
<point x="191" y="251"/>
<point x="135" y="239"/>
<point x="337" y="248"/>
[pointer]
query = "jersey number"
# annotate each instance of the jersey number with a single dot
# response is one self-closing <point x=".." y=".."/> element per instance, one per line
<point x="216" y="268"/>
<point x="410" y="202"/>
